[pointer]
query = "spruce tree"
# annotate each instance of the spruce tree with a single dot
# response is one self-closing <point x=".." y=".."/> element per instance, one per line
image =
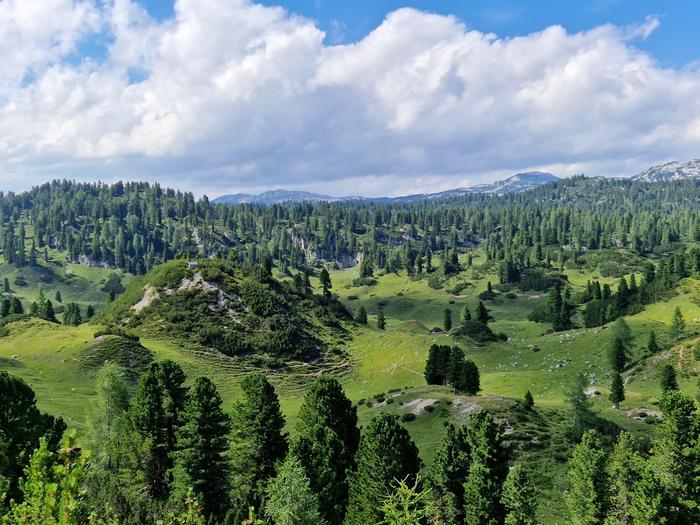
<point x="668" y="380"/>
<point x="448" y="474"/>
<point x="583" y="415"/>
<point x="528" y="401"/>
<point x="17" y="307"/>
<point x="259" y="441"/>
<point x="617" y="390"/>
<point x="586" y="498"/>
<point x="361" y="317"/>
<point x="90" y="312"/>
<point x="456" y="373"/>
<point x="326" y="444"/>
<point x="386" y="455"/>
<point x="201" y="460"/>
<point x="519" y="498"/>
<point x="488" y="471"/>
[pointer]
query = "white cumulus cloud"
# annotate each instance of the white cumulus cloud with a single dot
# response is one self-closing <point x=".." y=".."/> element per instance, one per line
<point x="232" y="95"/>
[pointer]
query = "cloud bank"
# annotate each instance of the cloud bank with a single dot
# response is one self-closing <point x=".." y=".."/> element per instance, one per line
<point x="231" y="95"/>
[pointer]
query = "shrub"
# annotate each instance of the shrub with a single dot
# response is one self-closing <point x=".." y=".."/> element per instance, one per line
<point x="408" y="416"/>
<point x="364" y="281"/>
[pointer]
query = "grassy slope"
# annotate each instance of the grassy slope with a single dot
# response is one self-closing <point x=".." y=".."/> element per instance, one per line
<point x="49" y="356"/>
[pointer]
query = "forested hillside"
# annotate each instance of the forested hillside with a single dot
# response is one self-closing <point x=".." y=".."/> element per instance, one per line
<point x="516" y="359"/>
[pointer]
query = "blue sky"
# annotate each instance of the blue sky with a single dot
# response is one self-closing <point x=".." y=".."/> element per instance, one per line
<point x="673" y="44"/>
<point x="345" y="97"/>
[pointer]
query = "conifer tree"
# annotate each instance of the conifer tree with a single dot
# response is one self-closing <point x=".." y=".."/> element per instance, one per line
<point x="624" y="470"/>
<point x="448" y="474"/>
<point x="456" y="371"/>
<point x="470" y="378"/>
<point x="668" y="379"/>
<point x="466" y="315"/>
<point x="652" y="346"/>
<point x="617" y="390"/>
<point x="17" y="307"/>
<point x="326" y="284"/>
<point x="385" y="456"/>
<point x="408" y="505"/>
<point x="90" y="312"/>
<point x="201" y="460"/>
<point x="583" y="415"/>
<point x="326" y="444"/>
<point x="482" y="314"/>
<point x="587" y="495"/>
<point x="677" y="455"/>
<point x="106" y="416"/>
<point x="447" y="320"/>
<point x="6" y="307"/>
<point x="259" y="441"/>
<point x="361" y="317"/>
<point x="618" y="355"/>
<point x="677" y="324"/>
<point x="381" y="321"/>
<point x="519" y="498"/>
<point x="488" y="470"/>
<point x="290" y="500"/>
<point x="528" y="401"/>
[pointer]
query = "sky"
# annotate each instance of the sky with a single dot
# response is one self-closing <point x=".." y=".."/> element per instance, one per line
<point x="345" y="98"/>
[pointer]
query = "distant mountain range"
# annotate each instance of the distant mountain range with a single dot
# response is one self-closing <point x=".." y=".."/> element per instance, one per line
<point x="516" y="183"/>
<point x="670" y="171"/>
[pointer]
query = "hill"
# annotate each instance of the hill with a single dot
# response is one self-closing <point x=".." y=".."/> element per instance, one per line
<point x="236" y="310"/>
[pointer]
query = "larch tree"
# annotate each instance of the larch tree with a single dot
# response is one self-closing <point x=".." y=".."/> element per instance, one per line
<point x="586" y="497"/>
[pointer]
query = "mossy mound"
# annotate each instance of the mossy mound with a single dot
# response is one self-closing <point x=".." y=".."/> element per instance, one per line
<point x="127" y="353"/>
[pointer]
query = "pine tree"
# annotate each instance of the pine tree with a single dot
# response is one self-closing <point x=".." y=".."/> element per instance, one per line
<point x="447" y="320"/>
<point x="528" y="401"/>
<point x="677" y="324"/>
<point x="448" y="474"/>
<point x="668" y="380"/>
<point x="653" y="346"/>
<point x="617" y="390"/>
<point x="259" y="442"/>
<point x="6" y="285"/>
<point x="48" y="313"/>
<point x="58" y="297"/>
<point x="201" y="460"/>
<point x="361" y="317"/>
<point x="6" y="307"/>
<point x="90" y="312"/>
<point x="17" y="307"/>
<point x="385" y="455"/>
<point x="290" y="500"/>
<point x="326" y="444"/>
<point x="381" y="322"/>
<point x="488" y="471"/>
<point x="587" y="495"/>
<point x="519" y="498"/>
